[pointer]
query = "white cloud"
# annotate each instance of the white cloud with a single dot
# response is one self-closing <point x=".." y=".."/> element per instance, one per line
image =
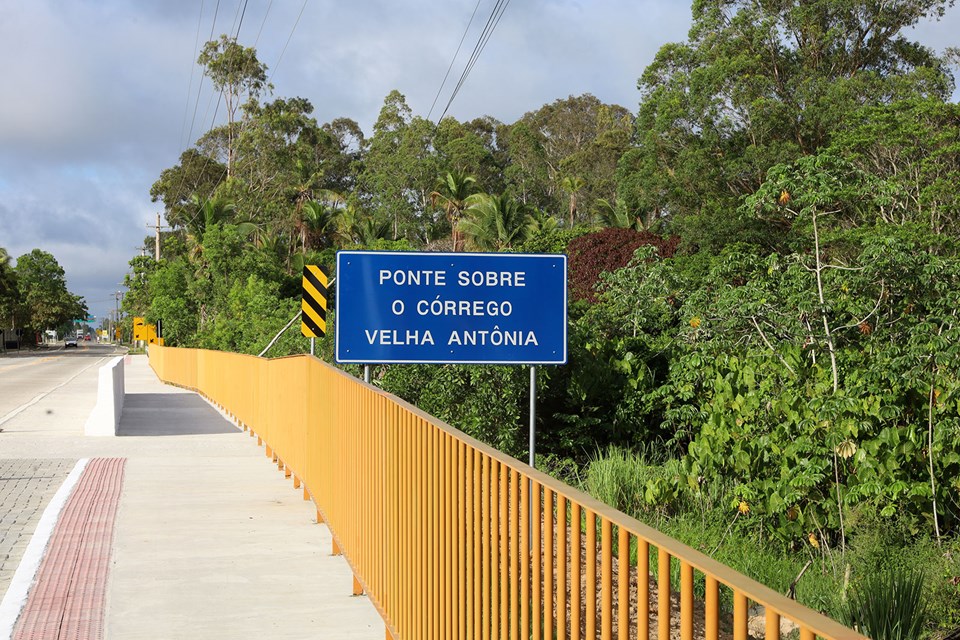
<point x="96" y="91"/>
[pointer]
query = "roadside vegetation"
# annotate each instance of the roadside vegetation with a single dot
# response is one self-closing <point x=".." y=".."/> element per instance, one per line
<point x="764" y="276"/>
<point x="34" y="298"/>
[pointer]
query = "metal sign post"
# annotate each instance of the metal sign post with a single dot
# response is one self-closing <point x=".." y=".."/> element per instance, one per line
<point x="533" y="415"/>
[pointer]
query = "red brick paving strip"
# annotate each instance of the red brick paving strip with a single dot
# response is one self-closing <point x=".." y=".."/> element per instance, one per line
<point x="67" y="598"/>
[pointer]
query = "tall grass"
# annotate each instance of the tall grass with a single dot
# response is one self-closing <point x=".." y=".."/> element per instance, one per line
<point x="888" y="605"/>
<point x="619" y="478"/>
<point x="706" y="518"/>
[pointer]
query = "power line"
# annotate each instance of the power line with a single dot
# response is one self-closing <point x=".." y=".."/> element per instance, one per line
<point x="193" y="67"/>
<point x="220" y="97"/>
<point x="447" y="74"/>
<point x="236" y="32"/>
<point x="213" y="27"/>
<point x="288" y="40"/>
<point x="499" y="7"/>
<point x="255" y="42"/>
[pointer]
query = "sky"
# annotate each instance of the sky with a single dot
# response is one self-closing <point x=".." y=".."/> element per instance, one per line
<point x="100" y="96"/>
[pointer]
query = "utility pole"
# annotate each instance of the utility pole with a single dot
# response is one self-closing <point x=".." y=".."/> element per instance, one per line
<point x="116" y="326"/>
<point x="157" y="228"/>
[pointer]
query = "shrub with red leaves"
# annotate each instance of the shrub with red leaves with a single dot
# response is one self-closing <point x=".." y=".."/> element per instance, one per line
<point x="608" y="250"/>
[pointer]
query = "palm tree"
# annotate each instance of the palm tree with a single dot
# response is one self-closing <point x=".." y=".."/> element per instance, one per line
<point x="307" y="182"/>
<point x="317" y="222"/>
<point x="494" y="223"/>
<point x="451" y="194"/>
<point x="369" y="230"/>
<point x="616" y="215"/>
<point x="572" y="185"/>
<point x="542" y="222"/>
<point x="207" y="213"/>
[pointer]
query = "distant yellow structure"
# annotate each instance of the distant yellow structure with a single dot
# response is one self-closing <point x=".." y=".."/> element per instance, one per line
<point x="145" y="332"/>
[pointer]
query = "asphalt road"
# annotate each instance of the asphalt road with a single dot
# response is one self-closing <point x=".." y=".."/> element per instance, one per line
<point x="26" y="377"/>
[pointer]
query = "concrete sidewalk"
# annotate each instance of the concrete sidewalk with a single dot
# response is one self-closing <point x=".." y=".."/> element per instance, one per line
<point x="210" y="540"/>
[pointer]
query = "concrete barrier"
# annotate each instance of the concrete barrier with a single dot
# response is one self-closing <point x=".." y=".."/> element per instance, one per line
<point x="105" y="418"/>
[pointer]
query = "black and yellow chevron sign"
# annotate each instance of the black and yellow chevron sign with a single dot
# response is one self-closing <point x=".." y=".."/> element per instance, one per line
<point x="313" y="316"/>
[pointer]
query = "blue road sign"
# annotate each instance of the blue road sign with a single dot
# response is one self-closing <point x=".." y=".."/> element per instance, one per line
<point x="444" y="308"/>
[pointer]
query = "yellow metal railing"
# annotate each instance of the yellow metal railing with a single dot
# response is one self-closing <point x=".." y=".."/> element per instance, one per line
<point x="450" y="538"/>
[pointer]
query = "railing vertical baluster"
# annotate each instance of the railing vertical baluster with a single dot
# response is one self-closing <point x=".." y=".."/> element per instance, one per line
<point x="739" y="616"/>
<point x="772" y="624"/>
<point x="712" y="613"/>
<point x="591" y="573"/>
<point x="524" y="543"/>
<point x="606" y="580"/>
<point x="514" y="539"/>
<point x="562" y="530"/>
<point x="686" y="601"/>
<point x="663" y="594"/>
<point x="504" y="533"/>
<point x="537" y="553"/>
<point x="475" y="525"/>
<point x="485" y="549"/>
<point x="575" y="571"/>
<point x="466" y="534"/>
<point x="494" y="543"/>
<point x="623" y="583"/>
<point x="444" y="539"/>
<point x="548" y="562"/>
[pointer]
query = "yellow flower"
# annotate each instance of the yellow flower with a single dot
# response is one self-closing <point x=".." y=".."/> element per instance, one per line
<point x="784" y="197"/>
<point x="743" y="507"/>
<point x="813" y="540"/>
<point x="694" y="322"/>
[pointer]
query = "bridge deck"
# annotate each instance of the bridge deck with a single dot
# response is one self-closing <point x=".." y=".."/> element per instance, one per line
<point x="186" y="531"/>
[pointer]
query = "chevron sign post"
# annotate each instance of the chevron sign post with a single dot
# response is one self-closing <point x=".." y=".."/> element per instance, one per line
<point x="313" y="317"/>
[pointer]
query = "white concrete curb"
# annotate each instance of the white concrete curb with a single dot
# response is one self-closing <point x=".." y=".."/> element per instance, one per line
<point x="105" y="418"/>
<point x="16" y="596"/>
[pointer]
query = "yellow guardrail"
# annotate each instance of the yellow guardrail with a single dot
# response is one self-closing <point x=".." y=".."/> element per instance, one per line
<point x="450" y="538"/>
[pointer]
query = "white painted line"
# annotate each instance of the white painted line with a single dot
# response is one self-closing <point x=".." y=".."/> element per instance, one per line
<point x="19" y="589"/>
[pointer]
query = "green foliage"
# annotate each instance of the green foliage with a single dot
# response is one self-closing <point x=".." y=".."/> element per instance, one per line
<point x="888" y="606"/>
<point x="760" y="84"/>
<point x="621" y="478"/>
<point x="44" y="302"/>
<point x="605" y="251"/>
<point x="9" y="292"/>
<point x="494" y="223"/>
<point x="488" y="403"/>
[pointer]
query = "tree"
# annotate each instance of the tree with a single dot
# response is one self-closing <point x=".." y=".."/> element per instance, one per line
<point x="196" y="173"/>
<point x="576" y="136"/>
<point x="399" y="169"/>
<point x="495" y="223"/>
<point x="45" y="301"/>
<point x="318" y="221"/>
<point x="235" y="71"/>
<point x="206" y="213"/>
<point x="9" y="293"/>
<point x="572" y="186"/>
<point x="761" y="83"/>
<point x="451" y="195"/>
<point x="911" y="145"/>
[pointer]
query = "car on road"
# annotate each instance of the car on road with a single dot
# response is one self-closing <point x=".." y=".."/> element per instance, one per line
<point x="86" y="338"/>
<point x="69" y="341"/>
